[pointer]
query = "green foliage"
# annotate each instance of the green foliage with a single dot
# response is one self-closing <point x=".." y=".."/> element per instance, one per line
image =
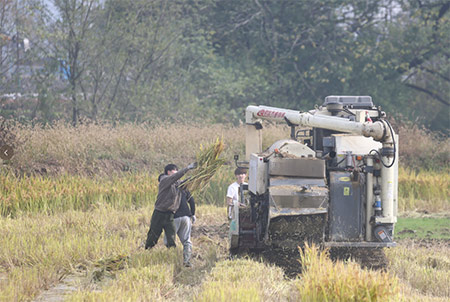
<point x="314" y="49"/>
<point x="209" y="59"/>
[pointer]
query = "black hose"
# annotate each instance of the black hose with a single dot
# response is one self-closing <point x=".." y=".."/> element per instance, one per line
<point x="393" y="140"/>
<point x="395" y="151"/>
<point x="337" y="164"/>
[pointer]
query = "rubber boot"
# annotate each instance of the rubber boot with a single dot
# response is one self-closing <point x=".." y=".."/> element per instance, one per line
<point x="187" y="253"/>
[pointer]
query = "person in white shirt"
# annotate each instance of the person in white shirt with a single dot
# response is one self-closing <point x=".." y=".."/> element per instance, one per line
<point x="233" y="189"/>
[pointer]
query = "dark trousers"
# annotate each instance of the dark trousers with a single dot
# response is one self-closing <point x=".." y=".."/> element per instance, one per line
<point x="161" y="220"/>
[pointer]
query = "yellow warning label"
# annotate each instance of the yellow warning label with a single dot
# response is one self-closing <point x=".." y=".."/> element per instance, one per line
<point x="346" y="191"/>
<point x="344" y="178"/>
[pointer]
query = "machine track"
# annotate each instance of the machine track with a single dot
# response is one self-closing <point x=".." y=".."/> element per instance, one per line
<point x="288" y="232"/>
<point x="371" y="258"/>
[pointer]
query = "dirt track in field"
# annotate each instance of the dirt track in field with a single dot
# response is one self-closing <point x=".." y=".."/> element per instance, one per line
<point x="288" y="259"/>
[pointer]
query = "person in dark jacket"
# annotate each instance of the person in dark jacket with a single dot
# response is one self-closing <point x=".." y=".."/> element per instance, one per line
<point x="184" y="218"/>
<point x="167" y="202"/>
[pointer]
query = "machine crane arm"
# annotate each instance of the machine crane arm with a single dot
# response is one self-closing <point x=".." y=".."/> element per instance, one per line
<point x="379" y="130"/>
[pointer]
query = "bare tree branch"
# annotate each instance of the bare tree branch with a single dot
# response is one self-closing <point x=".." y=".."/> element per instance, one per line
<point x="430" y="93"/>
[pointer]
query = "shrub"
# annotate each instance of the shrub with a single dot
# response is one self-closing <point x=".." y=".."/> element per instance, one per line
<point x="420" y="148"/>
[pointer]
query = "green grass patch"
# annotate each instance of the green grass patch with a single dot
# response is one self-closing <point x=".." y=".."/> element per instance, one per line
<point x="423" y="228"/>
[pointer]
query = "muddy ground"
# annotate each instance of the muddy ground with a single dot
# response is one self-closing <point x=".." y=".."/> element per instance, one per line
<point x="288" y="259"/>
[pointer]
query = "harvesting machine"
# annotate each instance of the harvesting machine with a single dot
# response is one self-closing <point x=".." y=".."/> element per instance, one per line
<point x="333" y="183"/>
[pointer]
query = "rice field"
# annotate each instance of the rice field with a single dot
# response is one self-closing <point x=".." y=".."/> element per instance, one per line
<point x="99" y="255"/>
<point x="75" y="208"/>
<point x="424" y="190"/>
<point x="427" y="191"/>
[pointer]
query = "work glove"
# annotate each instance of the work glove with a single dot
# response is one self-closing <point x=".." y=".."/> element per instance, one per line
<point x="192" y="166"/>
<point x="193" y="219"/>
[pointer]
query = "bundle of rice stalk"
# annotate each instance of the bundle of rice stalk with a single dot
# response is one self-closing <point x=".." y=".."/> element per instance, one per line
<point x="209" y="162"/>
<point x="113" y="263"/>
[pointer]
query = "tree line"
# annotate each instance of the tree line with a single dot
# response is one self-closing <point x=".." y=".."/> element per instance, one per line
<point x="141" y="60"/>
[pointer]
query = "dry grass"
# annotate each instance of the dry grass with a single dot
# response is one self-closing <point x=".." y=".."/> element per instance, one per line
<point x="244" y="280"/>
<point x="100" y="151"/>
<point x="92" y="149"/>
<point x="422" y="266"/>
<point x="149" y="279"/>
<point x="42" y="194"/>
<point x="422" y="149"/>
<point x="37" y="251"/>
<point x="104" y="149"/>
